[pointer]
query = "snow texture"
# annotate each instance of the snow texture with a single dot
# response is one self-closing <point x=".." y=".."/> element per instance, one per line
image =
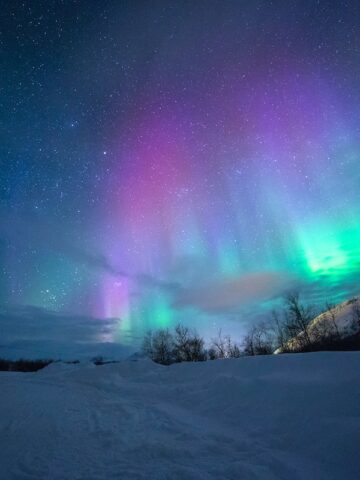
<point x="275" y="417"/>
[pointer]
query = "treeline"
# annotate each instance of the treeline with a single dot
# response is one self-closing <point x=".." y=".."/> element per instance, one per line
<point x="297" y="331"/>
<point x="291" y="330"/>
<point x="185" y="345"/>
<point x="286" y="331"/>
<point x="23" y="365"/>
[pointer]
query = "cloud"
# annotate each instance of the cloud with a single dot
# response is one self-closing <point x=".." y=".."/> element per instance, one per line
<point x="34" y="332"/>
<point x="228" y="294"/>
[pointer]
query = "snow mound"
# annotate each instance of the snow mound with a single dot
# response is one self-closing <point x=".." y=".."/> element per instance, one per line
<point x="276" y="417"/>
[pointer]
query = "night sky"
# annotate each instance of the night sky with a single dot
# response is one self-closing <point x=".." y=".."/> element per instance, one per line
<point x="166" y="161"/>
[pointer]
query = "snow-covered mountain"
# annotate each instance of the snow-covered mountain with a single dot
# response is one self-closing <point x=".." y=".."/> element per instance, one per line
<point x="274" y="417"/>
<point x="340" y="321"/>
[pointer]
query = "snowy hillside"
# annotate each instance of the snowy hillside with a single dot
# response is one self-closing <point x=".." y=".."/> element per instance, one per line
<point x="339" y="322"/>
<point x="279" y="417"/>
<point x="343" y="315"/>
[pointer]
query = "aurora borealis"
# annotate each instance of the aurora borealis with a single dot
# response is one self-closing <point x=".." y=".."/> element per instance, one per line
<point x="179" y="161"/>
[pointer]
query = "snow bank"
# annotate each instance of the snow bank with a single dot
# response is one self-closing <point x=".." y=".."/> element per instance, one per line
<point x="280" y="417"/>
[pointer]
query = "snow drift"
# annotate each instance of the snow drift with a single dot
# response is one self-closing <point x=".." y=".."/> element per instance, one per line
<point x="278" y="417"/>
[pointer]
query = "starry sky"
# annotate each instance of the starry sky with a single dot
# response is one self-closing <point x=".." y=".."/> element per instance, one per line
<point x="178" y="161"/>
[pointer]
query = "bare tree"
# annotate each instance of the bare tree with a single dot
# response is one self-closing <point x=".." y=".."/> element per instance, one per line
<point x="182" y="343"/>
<point x="218" y="345"/>
<point x="197" y="350"/>
<point x="249" y="342"/>
<point x="279" y="331"/>
<point x="159" y="346"/>
<point x="260" y="339"/>
<point x="265" y="344"/>
<point x="223" y="347"/>
<point x="188" y="345"/>
<point x="232" y="349"/>
<point x="297" y="319"/>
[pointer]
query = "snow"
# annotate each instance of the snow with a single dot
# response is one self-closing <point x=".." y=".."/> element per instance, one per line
<point x="343" y="315"/>
<point x="275" y="417"/>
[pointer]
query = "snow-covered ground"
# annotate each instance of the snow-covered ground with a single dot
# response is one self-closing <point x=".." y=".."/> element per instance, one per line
<point x="278" y="417"/>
